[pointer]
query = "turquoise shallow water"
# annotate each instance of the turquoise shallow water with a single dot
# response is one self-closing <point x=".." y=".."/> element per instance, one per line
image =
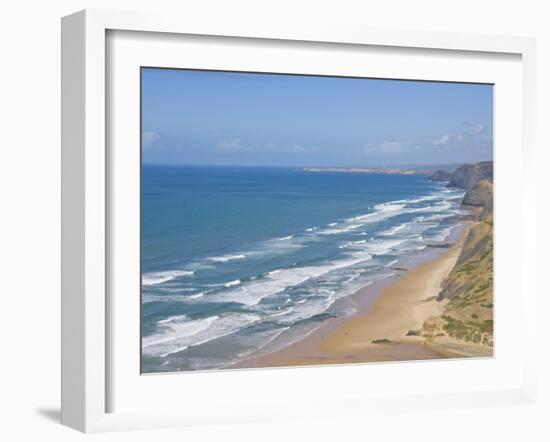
<point x="233" y="257"/>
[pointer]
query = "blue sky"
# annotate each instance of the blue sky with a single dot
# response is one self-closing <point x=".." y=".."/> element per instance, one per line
<point x="222" y="118"/>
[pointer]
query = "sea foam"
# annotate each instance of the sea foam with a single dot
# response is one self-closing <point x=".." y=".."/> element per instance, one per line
<point x="320" y="282"/>
<point x="161" y="277"/>
<point x="178" y="333"/>
<point x="232" y="283"/>
<point x="226" y="258"/>
<point x="276" y="281"/>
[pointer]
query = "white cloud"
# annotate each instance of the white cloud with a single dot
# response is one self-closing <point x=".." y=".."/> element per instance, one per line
<point x="447" y="139"/>
<point x="393" y="146"/>
<point x="295" y="148"/>
<point x="232" y="145"/>
<point x="478" y="129"/>
<point x="151" y="140"/>
<point x="236" y="145"/>
<point x="472" y="136"/>
<point x="386" y="147"/>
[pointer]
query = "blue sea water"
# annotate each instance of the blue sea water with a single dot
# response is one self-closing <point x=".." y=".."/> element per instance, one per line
<point x="233" y="257"/>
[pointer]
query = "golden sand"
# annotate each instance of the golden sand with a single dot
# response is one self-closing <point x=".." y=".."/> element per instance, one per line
<point x="385" y="332"/>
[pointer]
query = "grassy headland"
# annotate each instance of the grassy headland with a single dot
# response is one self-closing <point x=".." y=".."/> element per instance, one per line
<point x="468" y="290"/>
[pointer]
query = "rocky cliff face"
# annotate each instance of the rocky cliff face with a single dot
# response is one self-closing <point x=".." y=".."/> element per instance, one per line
<point x="468" y="175"/>
<point x="440" y="175"/>
<point x="468" y="290"/>
<point x="481" y="195"/>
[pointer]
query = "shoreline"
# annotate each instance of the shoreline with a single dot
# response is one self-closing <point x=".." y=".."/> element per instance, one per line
<point x="383" y="327"/>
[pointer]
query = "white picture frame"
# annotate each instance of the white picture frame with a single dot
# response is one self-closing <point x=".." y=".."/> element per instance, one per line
<point x="87" y="207"/>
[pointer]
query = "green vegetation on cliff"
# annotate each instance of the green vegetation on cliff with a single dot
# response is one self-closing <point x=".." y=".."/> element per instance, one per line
<point x="468" y="289"/>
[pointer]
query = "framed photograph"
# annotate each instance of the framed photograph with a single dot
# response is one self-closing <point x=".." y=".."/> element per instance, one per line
<point x="262" y="247"/>
<point x="262" y="222"/>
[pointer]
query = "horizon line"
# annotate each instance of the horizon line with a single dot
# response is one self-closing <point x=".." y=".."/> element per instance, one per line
<point x="381" y="166"/>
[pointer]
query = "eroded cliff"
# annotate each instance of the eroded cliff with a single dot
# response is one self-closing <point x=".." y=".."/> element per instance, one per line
<point x="467" y="292"/>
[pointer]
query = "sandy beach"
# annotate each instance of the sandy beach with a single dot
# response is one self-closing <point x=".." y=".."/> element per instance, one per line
<point x="385" y="330"/>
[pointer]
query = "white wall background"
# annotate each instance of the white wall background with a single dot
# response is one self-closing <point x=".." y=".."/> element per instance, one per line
<point x="30" y="219"/>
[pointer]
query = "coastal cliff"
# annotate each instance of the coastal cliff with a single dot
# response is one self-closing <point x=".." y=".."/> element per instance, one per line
<point x="481" y="195"/>
<point x="466" y="176"/>
<point x="467" y="292"/>
<point x="441" y="175"/>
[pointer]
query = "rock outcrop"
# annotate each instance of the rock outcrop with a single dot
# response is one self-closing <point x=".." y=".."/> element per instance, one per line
<point x="440" y="175"/>
<point x="468" y="289"/>
<point x="481" y="195"/>
<point x="468" y="175"/>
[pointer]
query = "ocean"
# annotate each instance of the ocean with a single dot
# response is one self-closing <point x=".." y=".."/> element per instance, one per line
<point x="233" y="258"/>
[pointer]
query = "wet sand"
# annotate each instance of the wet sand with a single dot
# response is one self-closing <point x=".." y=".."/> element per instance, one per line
<point x="380" y="331"/>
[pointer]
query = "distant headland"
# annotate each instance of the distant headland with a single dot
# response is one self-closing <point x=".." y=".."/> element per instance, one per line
<point x="371" y="170"/>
